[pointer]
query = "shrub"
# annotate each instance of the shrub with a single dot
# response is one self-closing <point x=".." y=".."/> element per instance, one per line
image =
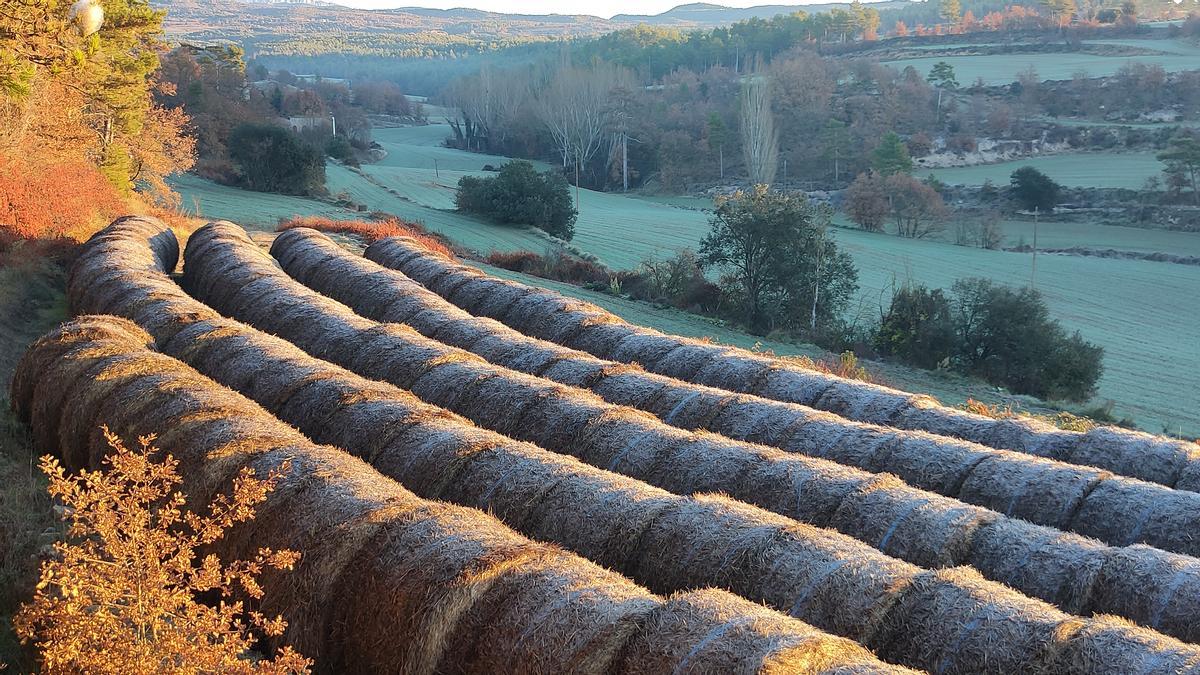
<point x="918" y="328"/>
<point x="521" y="195"/>
<point x="270" y="158"/>
<point x="50" y="202"/>
<point x="120" y="595"/>
<point x="382" y="227"/>
<point x="1007" y="338"/>
<point x="526" y="262"/>
<point x="339" y="148"/>
<point x="1033" y="189"/>
<point x="867" y="201"/>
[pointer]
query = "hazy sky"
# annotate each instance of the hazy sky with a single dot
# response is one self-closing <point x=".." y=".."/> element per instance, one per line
<point x="604" y="8"/>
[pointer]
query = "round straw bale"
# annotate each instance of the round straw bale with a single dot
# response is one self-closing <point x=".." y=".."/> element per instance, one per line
<point x="689" y="407"/>
<point x="601" y="338"/>
<point x="1130" y="453"/>
<point x="553" y="614"/>
<point x="1029" y="488"/>
<point x="563" y="327"/>
<point x="733" y="371"/>
<point x="1156" y="589"/>
<point x="1189" y="476"/>
<point x="761" y="421"/>
<point x="386" y="352"/>
<point x="643" y="346"/>
<point x="527" y="313"/>
<point x="1127" y="511"/>
<point x="709" y="463"/>
<point x="793" y="385"/>
<point x="498" y="403"/>
<point x="687" y="359"/>
<point x="447" y="381"/>
<point x="906" y="523"/>
<point x="573" y="371"/>
<point x="927" y="414"/>
<point x="558" y="423"/>
<point x="814" y="489"/>
<point x="491" y="300"/>
<point x="1015" y="433"/>
<point x="429" y="320"/>
<point x="385" y="420"/>
<point x="1041" y="562"/>
<point x="1109" y="644"/>
<point x="62" y="339"/>
<point x="327" y="506"/>
<point x="620" y="440"/>
<point x="429" y="456"/>
<point x="451" y="278"/>
<point x="847" y="443"/>
<point x="534" y="360"/>
<point x="599" y="515"/>
<point x="954" y="621"/>
<point x="500" y="350"/>
<point x="710" y="631"/>
<point x="460" y="333"/>
<point x="429" y="567"/>
<point x="931" y="462"/>
<point x="629" y="387"/>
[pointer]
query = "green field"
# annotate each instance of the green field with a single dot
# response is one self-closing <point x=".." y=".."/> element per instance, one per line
<point x="996" y="69"/>
<point x="1143" y="313"/>
<point x="1076" y="169"/>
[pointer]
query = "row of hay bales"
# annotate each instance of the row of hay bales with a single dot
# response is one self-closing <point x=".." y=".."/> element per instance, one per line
<point x="948" y="621"/>
<point x="1036" y="489"/>
<point x="229" y="272"/>
<point x="548" y="315"/>
<point x="389" y="582"/>
<point x="1079" y="574"/>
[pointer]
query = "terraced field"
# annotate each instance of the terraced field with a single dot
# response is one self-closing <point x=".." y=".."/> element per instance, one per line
<point x="1085" y="169"/>
<point x="997" y="69"/>
<point x="1112" y="302"/>
<point x="447" y="431"/>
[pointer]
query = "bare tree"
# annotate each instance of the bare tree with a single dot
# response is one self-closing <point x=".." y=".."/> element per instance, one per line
<point x="487" y="102"/>
<point x="575" y="107"/>
<point x="760" y="139"/>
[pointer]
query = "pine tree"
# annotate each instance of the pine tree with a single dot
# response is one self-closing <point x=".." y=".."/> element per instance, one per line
<point x="891" y="157"/>
<point x="950" y="10"/>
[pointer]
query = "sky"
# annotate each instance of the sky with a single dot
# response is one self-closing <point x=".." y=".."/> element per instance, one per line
<point x="603" y="8"/>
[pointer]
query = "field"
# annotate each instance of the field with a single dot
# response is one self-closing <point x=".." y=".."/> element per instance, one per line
<point x="997" y="69"/>
<point x="544" y="522"/>
<point x="1101" y="170"/>
<point x="1147" y="375"/>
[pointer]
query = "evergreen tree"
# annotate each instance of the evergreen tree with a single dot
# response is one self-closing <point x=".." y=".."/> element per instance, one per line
<point x="950" y="10"/>
<point x="891" y="157"/>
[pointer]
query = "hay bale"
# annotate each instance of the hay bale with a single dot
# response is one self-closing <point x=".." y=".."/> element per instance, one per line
<point x="910" y="524"/>
<point x="1122" y="511"/>
<point x="642" y="346"/>
<point x="688" y="407"/>
<point x="707" y="463"/>
<point x="931" y="462"/>
<point x="735" y="371"/>
<point x="62" y="339"/>
<point x="792" y="385"/>
<point x="1140" y="455"/>
<point x="1041" y="562"/>
<point x="559" y="423"/>
<point x="1106" y="644"/>
<point x="713" y="631"/>
<point x="813" y="489"/>
<point x="1032" y="489"/>
<point x="386" y="352"/>
<point x="491" y="300"/>
<point x="573" y="371"/>
<point x="447" y="381"/>
<point x="619" y="440"/>
<point x="953" y="621"/>
<point x="499" y="403"/>
<point x="687" y="359"/>
<point x="629" y="386"/>
<point x="1156" y="589"/>
<point x="1189" y="475"/>
<point x="602" y="338"/>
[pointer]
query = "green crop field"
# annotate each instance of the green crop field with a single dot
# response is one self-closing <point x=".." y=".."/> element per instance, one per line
<point x="1077" y="169"/>
<point x="995" y="69"/>
<point x="1141" y="312"/>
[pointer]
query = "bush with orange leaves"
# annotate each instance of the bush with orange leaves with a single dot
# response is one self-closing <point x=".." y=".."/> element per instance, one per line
<point x="381" y="226"/>
<point x="49" y="202"/>
<point x="120" y="595"/>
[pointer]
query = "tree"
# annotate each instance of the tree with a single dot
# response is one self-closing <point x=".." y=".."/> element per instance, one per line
<point x="518" y="194"/>
<point x="1182" y="158"/>
<point x="942" y="76"/>
<point x="867" y="201"/>
<point x="121" y="595"/>
<point x="269" y="158"/>
<point x="760" y="140"/>
<point x="784" y="269"/>
<point x="574" y="106"/>
<point x="891" y="156"/>
<point x="918" y="328"/>
<point x="1033" y="189"/>
<point x="1061" y="10"/>
<point x="950" y="10"/>
<point x="718" y="136"/>
<point x="835" y="141"/>
<point x="917" y="208"/>
<point x="1007" y="337"/>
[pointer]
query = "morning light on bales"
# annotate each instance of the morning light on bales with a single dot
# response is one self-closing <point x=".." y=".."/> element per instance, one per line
<point x="858" y="337"/>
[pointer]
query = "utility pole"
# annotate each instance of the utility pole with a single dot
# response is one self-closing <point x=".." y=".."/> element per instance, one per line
<point x="624" y="162"/>
<point x="435" y="168"/>
<point x="1033" y="272"/>
<point x="576" y="183"/>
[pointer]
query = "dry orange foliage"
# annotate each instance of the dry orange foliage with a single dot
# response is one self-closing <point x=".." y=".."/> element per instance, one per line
<point x="120" y="594"/>
<point x="48" y="202"/>
<point x="371" y="231"/>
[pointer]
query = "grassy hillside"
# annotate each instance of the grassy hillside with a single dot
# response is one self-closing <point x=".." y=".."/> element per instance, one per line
<point x="1082" y="169"/>
<point x="1139" y="311"/>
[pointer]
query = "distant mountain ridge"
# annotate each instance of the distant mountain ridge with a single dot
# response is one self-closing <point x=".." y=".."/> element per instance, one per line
<point x="701" y="14"/>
